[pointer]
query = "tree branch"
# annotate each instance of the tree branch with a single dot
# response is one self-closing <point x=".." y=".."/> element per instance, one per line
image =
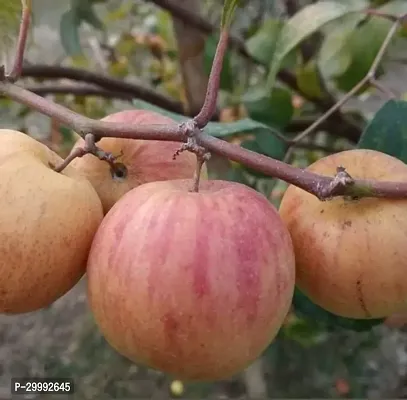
<point x="209" y="106"/>
<point x="76" y="90"/>
<point x="83" y="125"/>
<point x="106" y="82"/>
<point x="323" y="187"/>
<point x="352" y="130"/>
<point x="82" y="89"/>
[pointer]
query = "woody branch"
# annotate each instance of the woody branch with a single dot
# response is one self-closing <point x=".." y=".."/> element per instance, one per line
<point x="324" y="187"/>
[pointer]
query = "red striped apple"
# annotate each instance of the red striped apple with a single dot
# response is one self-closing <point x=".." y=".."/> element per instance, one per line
<point x="351" y="255"/>
<point x="195" y="284"/>
<point x="48" y="220"/>
<point x="145" y="160"/>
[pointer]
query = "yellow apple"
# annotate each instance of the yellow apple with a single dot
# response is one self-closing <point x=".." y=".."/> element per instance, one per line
<point x="47" y="223"/>
<point x="351" y="254"/>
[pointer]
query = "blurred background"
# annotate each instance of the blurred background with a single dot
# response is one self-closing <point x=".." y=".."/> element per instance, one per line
<point x="100" y="56"/>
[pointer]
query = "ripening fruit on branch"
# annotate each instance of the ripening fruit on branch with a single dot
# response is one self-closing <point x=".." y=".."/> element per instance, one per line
<point x="47" y="224"/>
<point x="194" y="284"/>
<point x="145" y="160"/>
<point x="351" y="256"/>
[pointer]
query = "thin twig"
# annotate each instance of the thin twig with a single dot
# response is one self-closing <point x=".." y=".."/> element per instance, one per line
<point x="21" y="43"/>
<point x="88" y="148"/>
<point x="77" y="90"/>
<point x="379" y="86"/>
<point x="136" y="90"/>
<point x="369" y="77"/>
<point x="209" y="106"/>
<point x="377" y="13"/>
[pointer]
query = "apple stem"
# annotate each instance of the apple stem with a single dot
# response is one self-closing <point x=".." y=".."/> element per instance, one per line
<point x="200" y="161"/>
<point x="191" y="129"/>
<point x="89" y="148"/>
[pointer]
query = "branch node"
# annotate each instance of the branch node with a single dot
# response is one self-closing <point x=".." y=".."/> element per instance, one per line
<point x="190" y="130"/>
<point x="192" y="146"/>
<point x="336" y="187"/>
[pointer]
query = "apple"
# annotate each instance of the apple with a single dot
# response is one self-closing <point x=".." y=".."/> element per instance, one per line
<point x="144" y="160"/>
<point x="195" y="284"/>
<point x="351" y="254"/>
<point x="48" y="220"/>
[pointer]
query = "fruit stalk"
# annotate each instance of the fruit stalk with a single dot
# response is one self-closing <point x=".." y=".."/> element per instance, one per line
<point x="199" y="163"/>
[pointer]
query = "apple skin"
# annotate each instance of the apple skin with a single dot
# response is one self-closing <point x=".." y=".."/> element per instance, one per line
<point x="48" y="221"/>
<point x="351" y="255"/>
<point x="193" y="284"/>
<point x="145" y="160"/>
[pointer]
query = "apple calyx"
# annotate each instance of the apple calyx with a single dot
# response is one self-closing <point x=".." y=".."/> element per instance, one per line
<point x="119" y="171"/>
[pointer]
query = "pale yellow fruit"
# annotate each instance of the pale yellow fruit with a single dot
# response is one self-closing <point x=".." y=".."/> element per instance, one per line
<point x="47" y="224"/>
<point x="351" y="256"/>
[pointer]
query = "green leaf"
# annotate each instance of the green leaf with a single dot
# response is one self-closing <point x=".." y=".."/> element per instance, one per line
<point x="237" y="174"/>
<point x="226" y="75"/>
<point x="395" y="7"/>
<point x="85" y="12"/>
<point x="334" y="57"/>
<point x="262" y="44"/>
<point x="363" y="45"/>
<point x="81" y="11"/>
<point x="265" y="142"/>
<point x="274" y="110"/>
<point x="252" y="145"/>
<point x="303" y="331"/>
<point x="217" y="129"/>
<point x="225" y="129"/>
<point x="88" y="15"/>
<point x="271" y="145"/>
<point x="69" y="33"/>
<point x="229" y="7"/>
<point x="387" y="132"/>
<point x="306" y="22"/>
<point x="309" y="80"/>
<point x="144" y="105"/>
<point x="305" y="308"/>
